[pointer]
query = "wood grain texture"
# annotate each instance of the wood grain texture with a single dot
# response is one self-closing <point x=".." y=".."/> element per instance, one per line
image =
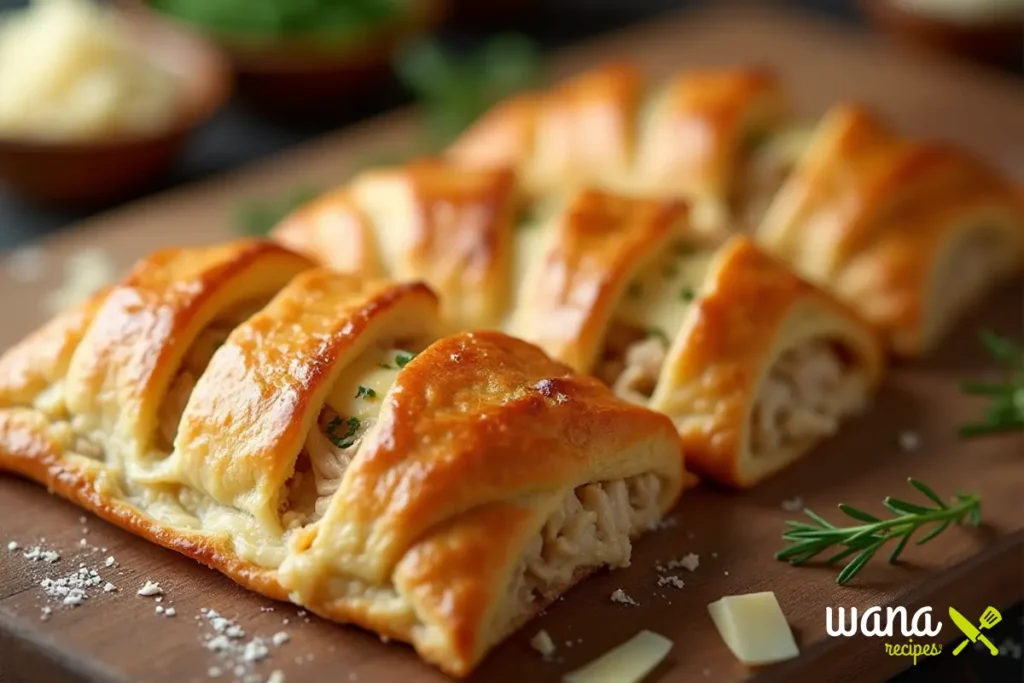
<point x="117" y="636"/>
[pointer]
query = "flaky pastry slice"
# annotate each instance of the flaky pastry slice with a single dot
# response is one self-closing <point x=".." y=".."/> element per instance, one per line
<point x="722" y="139"/>
<point x="309" y="435"/>
<point x="427" y="220"/>
<point x="911" y="234"/>
<point x="753" y="364"/>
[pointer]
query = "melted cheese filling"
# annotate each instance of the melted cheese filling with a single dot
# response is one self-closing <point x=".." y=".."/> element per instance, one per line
<point x="350" y="411"/>
<point x="764" y="165"/>
<point x="807" y="393"/>
<point x="591" y="528"/>
<point x="648" y="318"/>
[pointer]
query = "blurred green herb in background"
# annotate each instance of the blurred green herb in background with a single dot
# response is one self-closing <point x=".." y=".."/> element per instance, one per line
<point x="452" y="90"/>
<point x="1005" y="410"/>
<point x="267" y="18"/>
<point x="256" y="217"/>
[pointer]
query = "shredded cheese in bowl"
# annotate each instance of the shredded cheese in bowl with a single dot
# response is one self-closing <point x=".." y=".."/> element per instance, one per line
<point x="70" y="70"/>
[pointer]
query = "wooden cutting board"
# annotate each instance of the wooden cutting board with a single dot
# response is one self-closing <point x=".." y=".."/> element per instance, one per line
<point x="117" y="636"/>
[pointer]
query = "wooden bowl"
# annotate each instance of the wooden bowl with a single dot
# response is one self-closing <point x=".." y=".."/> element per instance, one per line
<point x="995" y="42"/>
<point x="98" y="171"/>
<point x="296" y="75"/>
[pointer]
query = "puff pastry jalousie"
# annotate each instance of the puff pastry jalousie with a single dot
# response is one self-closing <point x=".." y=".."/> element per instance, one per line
<point x="720" y="138"/>
<point x="307" y="434"/>
<point x="753" y="364"/>
<point x="910" y="233"/>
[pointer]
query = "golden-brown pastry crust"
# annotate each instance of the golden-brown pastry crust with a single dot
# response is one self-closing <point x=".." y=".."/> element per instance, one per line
<point x="478" y="440"/>
<point x="427" y="220"/>
<point x="600" y="242"/>
<point x="423" y="483"/>
<point x="686" y="140"/>
<point x="875" y="218"/>
<point x="580" y="132"/>
<point x="752" y="309"/>
<point x="699" y="128"/>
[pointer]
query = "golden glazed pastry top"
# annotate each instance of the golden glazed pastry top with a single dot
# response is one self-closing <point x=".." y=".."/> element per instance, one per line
<point x="877" y="218"/>
<point x="605" y="128"/>
<point x="190" y="403"/>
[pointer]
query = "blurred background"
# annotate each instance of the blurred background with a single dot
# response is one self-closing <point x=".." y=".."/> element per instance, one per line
<point x="255" y="77"/>
<point x="286" y="71"/>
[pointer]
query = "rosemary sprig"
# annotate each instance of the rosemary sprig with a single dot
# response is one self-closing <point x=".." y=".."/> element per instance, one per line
<point x="810" y="540"/>
<point x="1005" y="411"/>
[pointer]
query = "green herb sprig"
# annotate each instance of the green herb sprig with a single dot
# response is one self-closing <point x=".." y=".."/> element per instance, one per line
<point x="1005" y="411"/>
<point x="454" y="90"/>
<point x="865" y="539"/>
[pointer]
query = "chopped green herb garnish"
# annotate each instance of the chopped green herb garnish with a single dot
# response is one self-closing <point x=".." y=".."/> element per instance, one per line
<point x="670" y="270"/>
<point x="365" y="392"/>
<point x="687" y="294"/>
<point x="635" y="290"/>
<point x="1005" y="410"/>
<point x="351" y="426"/>
<point x="402" y="359"/>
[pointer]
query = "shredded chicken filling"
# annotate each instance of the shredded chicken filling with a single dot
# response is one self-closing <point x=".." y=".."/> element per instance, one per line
<point x="632" y="361"/>
<point x="328" y="450"/>
<point x="193" y="365"/>
<point x="592" y="528"/>
<point x="807" y="393"/>
<point x="351" y="410"/>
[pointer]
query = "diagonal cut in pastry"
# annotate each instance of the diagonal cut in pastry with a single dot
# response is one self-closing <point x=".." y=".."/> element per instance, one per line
<point x="723" y="139"/>
<point x="754" y="365"/>
<point x="426" y="220"/>
<point x="911" y="234"/>
<point x="311" y="436"/>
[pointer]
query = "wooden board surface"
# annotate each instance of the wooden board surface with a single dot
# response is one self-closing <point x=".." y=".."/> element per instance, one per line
<point x="118" y="637"/>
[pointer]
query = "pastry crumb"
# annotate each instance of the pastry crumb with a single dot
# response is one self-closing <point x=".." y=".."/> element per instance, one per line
<point x="12" y="546"/>
<point x="109" y="562"/>
<point x="213" y="672"/>
<point x="279" y="638"/>
<point x="159" y="609"/>
<point x="619" y="596"/>
<point x="909" y="440"/>
<point x="276" y="676"/>
<point x="542" y="643"/>
<point x="794" y="504"/>
<point x="666" y="523"/>
<point x="109" y="587"/>
<point x="671" y="580"/>
<point x="150" y="589"/>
